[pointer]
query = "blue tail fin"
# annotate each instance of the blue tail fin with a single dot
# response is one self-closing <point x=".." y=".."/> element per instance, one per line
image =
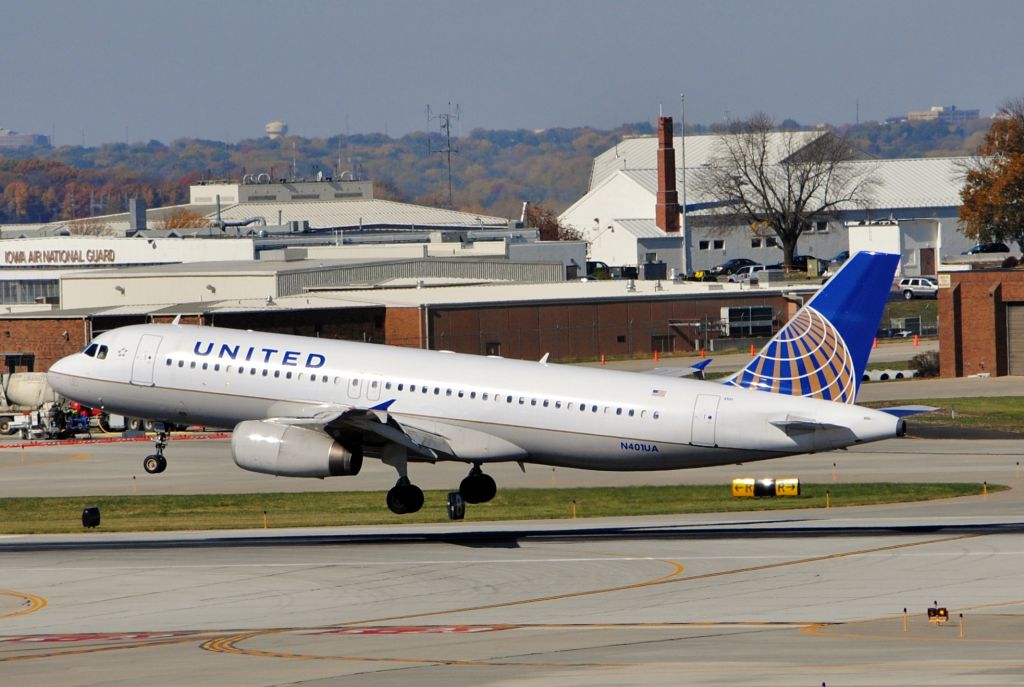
<point x="823" y="350"/>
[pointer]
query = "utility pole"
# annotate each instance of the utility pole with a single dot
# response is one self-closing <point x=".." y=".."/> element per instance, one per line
<point x="445" y="120"/>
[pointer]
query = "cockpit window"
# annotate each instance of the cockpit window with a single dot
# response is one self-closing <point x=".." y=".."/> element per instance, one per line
<point x="91" y="350"/>
<point x="101" y="353"/>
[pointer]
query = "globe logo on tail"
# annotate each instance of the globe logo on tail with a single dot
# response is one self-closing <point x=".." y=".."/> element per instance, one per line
<point x="808" y="357"/>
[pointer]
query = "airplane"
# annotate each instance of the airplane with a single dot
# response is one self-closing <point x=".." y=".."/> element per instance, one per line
<point x="310" y="407"/>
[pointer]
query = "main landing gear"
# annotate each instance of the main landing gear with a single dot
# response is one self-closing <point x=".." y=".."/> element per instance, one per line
<point x="155" y="462"/>
<point x="405" y="497"/>
<point x="477" y="487"/>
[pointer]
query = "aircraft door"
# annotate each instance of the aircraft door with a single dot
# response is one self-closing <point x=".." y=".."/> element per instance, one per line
<point x="355" y="386"/>
<point x="145" y="359"/>
<point x="705" y="416"/>
<point x="373" y="388"/>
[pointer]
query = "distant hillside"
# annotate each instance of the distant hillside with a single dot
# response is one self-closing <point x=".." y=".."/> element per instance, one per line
<point x="492" y="171"/>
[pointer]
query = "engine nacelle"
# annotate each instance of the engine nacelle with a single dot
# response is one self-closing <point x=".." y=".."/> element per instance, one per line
<point x="289" y="451"/>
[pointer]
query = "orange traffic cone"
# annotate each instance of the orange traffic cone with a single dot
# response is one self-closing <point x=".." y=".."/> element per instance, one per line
<point x="602" y="359"/>
<point x="703" y="354"/>
<point x="655" y="356"/>
<point x="917" y="340"/>
<point x="876" y="343"/>
<point x="752" y="353"/>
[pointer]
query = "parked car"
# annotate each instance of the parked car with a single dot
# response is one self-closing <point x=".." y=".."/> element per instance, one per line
<point x="730" y="266"/>
<point x="918" y="287"/>
<point x="987" y="248"/>
<point x="744" y="273"/>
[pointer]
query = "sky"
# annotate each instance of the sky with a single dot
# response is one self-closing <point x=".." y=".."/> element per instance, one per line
<point x="107" y="71"/>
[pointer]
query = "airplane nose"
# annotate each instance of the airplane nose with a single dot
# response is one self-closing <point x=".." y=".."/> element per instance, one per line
<point x="57" y="375"/>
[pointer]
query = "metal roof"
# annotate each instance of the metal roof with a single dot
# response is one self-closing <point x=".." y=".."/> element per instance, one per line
<point x="642" y="228"/>
<point x="641" y="152"/>
<point x="354" y="213"/>
<point x="902" y="183"/>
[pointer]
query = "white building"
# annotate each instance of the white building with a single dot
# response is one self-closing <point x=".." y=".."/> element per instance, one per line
<point x="617" y="214"/>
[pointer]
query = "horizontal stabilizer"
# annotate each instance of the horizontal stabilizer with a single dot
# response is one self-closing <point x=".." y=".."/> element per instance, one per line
<point x="907" y="411"/>
<point x="695" y="370"/>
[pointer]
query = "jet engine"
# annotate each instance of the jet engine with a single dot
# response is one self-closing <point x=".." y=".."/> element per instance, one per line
<point x="291" y="451"/>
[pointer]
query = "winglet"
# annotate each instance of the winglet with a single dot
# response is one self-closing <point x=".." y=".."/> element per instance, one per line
<point x="177" y="319"/>
<point x="907" y="411"/>
<point x="699" y="367"/>
<point x="544" y="360"/>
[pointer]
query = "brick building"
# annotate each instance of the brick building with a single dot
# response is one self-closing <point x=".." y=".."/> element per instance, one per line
<point x="568" y="320"/>
<point x="981" y="323"/>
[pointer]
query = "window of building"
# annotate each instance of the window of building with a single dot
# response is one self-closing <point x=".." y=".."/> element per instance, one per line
<point x="703" y="244"/>
<point x="756" y="242"/>
<point x="821" y="226"/>
<point x="492" y="348"/>
<point x="718" y="244"/>
<point x="771" y="242"/>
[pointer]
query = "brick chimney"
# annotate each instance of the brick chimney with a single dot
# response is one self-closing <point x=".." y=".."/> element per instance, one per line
<point x="666" y="212"/>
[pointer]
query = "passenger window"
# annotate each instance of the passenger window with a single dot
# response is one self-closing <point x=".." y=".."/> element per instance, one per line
<point x="437" y="391"/>
<point x="252" y="371"/>
<point x="583" y="407"/>
<point x="461" y="394"/>
<point x="545" y="403"/>
<point x="472" y="394"/>
<point x="484" y="396"/>
<point x="206" y="366"/>
<point x="241" y="369"/>
<point x="593" y="409"/>
<point x="168" y="362"/>
<point x="655" y="416"/>
<point x="387" y="385"/>
<point x="266" y="372"/>
<point x="216" y="367"/>
<point x="401" y="386"/>
<point x="631" y="411"/>
<point x="312" y="378"/>
<point x="288" y="375"/>
<point x="448" y="392"/>
<point x="299" y="377"/>
<point x="509" y="400"/>
<point x="412" y="388"/>
<point x="277" y="373"/>
<point x="533" y="401"/>
<point x="558" y="404"/>
<point x="618" y="411"/>
<point x="229" y="368"/>
<point x="192" y="364"/>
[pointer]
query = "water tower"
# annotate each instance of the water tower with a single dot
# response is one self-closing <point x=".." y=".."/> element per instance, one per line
<point x="276" y="129"/>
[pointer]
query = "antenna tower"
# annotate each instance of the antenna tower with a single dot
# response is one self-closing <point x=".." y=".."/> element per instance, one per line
<point x="445" y="124"/>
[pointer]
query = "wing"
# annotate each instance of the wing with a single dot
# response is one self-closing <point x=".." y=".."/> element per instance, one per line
<point x="695" y="370"/>
<point x="426" y="440"/>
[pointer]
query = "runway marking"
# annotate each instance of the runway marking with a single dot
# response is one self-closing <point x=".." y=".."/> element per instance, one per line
<point x="190" y="637"/>
<point x="32" y="603"/>
<point x="230" y="644"/>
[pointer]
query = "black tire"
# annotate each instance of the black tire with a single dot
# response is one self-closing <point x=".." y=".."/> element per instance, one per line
<point x="5" y="426"/>
<point x="152" y="464"/>
<point x="907" y="295"/>
<point x="404" y="499"/>
<point x="135" y="424"/>
<point x="479" y="488"/>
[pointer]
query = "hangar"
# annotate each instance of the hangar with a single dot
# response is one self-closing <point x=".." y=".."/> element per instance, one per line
<point x="635" y="180"/>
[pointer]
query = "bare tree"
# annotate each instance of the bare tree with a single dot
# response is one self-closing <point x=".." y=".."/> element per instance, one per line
<point x="784" y="181"/>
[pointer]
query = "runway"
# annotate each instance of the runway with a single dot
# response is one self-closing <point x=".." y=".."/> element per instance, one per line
<point x="800" y="597"/>
<point x="537" y="610"/>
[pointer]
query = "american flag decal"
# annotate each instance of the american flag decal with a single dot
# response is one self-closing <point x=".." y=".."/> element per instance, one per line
<point x="658" y="392"/>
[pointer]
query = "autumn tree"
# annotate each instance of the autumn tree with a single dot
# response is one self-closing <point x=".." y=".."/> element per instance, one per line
<point x="180" y="218"/>
<point x="784" y="181"/>
<point x="993" y="192"/>
<point x="546" y="221"/>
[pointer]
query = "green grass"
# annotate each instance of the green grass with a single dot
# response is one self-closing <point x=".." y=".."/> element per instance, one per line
<point x="234" y="511"/>
<point x="994" y="412"/>
<point x="925" y="308"/>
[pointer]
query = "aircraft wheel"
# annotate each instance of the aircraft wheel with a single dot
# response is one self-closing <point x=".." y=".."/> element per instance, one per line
<point x="154" y="464"/>
<point x="405" y="498"/>
<point x="478" y="488"/>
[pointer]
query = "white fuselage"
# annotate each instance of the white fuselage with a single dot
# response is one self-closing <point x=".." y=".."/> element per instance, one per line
<point x="558" y="415"/>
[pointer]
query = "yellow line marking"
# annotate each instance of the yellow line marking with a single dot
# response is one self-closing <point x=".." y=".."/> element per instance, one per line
<point x="230" y="644"/>
<point x="101" y="649"/>
<point x="34" y="603"/>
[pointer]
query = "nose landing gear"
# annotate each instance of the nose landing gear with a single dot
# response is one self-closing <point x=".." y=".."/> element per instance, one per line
<point x="155" y="462"/>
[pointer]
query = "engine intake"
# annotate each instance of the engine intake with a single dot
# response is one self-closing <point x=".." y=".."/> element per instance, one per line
<point x="289" y="451"/>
